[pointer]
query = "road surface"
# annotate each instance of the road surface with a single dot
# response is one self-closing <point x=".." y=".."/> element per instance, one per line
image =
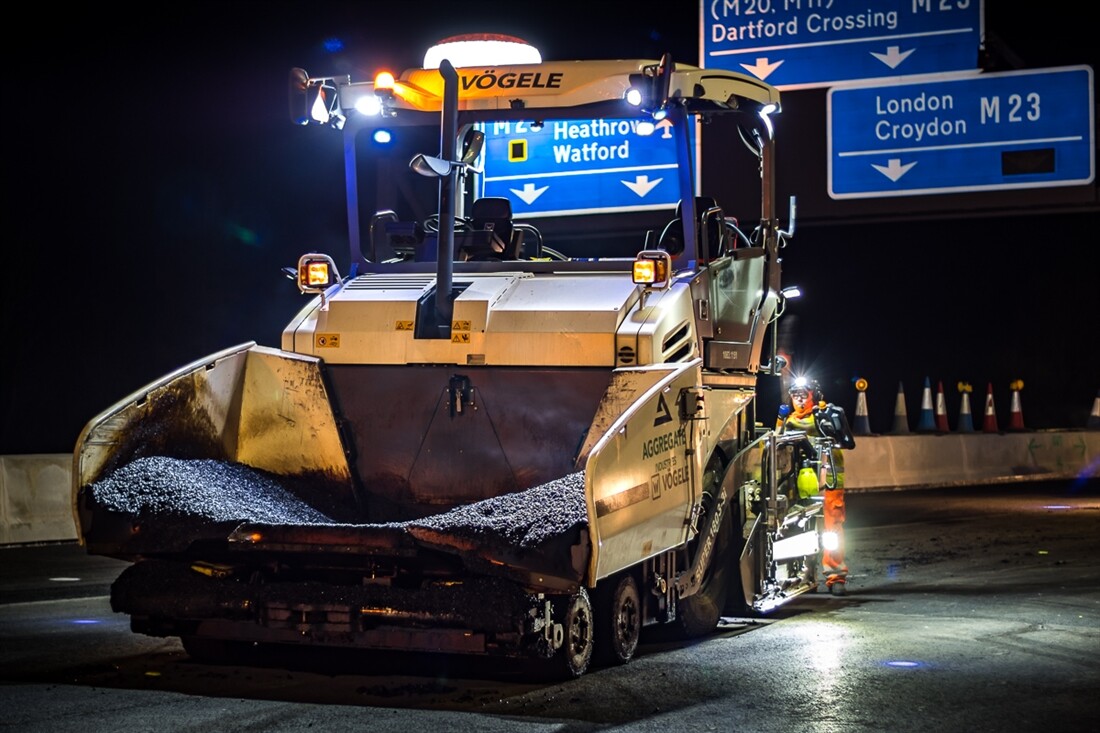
<point x="970" y="609"/>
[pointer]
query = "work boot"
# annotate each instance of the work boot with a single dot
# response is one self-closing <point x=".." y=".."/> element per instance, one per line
<point x="808" y="576"/>
<point x="838" y="588"/>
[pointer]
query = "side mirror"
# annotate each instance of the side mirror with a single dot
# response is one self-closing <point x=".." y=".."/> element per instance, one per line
<point x="663" y="91"/>
<point x="472" y="143"/>
<point x="430" y="166"/>
<point x="435" y="167"/>
<point x="315" y="101"/>
<point x="298" y="96"/>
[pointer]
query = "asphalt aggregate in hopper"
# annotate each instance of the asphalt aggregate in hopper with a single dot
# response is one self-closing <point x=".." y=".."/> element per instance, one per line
<point x="219" y="491"/>
<point x="525" y="519"/>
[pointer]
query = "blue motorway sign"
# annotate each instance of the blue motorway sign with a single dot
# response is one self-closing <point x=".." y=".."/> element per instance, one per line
<point x="1016" y="129"/>
<point x="795" y="44"/>
<point x="580" y="166"/>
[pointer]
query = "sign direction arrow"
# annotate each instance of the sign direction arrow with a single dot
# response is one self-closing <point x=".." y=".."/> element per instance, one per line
<point x="641" y="185"/>
<point x="528" y="193"/>
<point x="813" y="43"/>
<point x="893" y="169"/>
<point x="1017" y="129"/>
<point x="893" y="56"/>
<point x="762" y="69"/>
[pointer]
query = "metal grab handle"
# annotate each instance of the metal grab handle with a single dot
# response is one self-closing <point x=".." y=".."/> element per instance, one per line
<point x="825" y="458"/>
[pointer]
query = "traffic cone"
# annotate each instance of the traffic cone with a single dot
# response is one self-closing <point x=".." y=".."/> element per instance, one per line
<point x="901" y="419"/>
<point x="941" y="410"/>
<point x="1094" y="416"/>
<point x="990" y="423"/>
<point x="927" y="423"/>
<point x="861" y="425"/>
<point x="1015" y="411"/>
<point x="966" y="422"/>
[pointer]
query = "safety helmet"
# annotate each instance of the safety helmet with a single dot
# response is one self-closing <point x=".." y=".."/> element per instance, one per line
<point x="804" y="384"/>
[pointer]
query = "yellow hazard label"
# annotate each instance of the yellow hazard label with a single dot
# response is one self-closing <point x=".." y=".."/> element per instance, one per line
<point x="326" y="340"/>
<point x="460" y="325"/>
<point x="460" y="338"/>
<point x="517" y="150"/>
<point x="403" y="326"/>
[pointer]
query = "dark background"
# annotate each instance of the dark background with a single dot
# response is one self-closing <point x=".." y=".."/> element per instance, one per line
<point x="156" y="187"/>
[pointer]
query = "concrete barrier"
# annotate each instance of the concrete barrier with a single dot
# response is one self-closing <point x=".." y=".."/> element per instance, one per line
<point x="35" y="498"/>
<point x="36" y="504"/>
<point x="965" y="459"/>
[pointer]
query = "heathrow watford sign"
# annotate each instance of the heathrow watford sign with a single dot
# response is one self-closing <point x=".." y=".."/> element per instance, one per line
<point x="1017" y="129"/>
<point x="793" y="44"/>
<point x="580" y="166"/>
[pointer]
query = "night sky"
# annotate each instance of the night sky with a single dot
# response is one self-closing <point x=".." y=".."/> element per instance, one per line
<point x="157" y="188"/>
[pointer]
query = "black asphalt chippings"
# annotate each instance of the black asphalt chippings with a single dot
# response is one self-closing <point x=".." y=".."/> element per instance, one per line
<point x="219" y="491"/>
<point x="524" y="520"/>
<point x="214" y="490"/>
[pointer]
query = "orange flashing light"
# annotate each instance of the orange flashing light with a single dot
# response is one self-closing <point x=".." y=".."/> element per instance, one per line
<point x="652" y="268"/>
<point x="645" y="271"/>
<point x="384" y="82"/>
<point x="315" y="274"/>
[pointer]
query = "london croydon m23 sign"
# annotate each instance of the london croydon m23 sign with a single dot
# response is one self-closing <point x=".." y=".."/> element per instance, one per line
<point x="1016" y="129"/>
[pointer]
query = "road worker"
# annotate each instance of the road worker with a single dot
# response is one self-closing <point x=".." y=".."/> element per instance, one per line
<point x="805" y="395"/>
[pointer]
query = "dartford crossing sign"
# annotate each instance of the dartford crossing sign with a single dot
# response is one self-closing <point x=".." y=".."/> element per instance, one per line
<point x="580" y="166"/>
<point x="794" y="44"/>
<point x="1017" y="129"/>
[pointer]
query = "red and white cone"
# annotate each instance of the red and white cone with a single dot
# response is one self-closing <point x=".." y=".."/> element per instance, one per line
<point x="901" y="418"/>
<point x="1015" y="410"/>
<point x="941" y="410"/>
<point x="989" y="425"/>
<point x="966" y="420"/>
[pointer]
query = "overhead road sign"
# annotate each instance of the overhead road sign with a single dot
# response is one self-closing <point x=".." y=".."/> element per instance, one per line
<point x="1017" y="129"/>
<point x="795" y="44"/>
<point x="580" y="166"/>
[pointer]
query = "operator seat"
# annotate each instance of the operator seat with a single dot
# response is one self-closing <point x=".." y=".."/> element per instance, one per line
<point x="672" y="237"/>
<point x="493" y="214"/>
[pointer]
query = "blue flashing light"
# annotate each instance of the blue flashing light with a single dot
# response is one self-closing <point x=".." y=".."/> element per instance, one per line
<point x="382" y="137"/>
